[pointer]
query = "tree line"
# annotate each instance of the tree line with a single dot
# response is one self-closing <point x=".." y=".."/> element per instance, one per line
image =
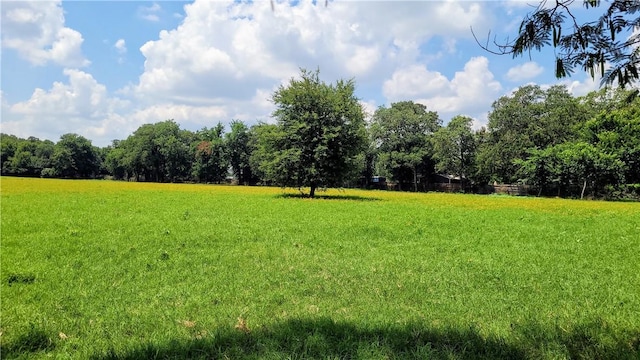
<point x="558" y="144"/>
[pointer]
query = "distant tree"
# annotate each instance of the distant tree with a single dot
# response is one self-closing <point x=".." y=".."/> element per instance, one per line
<point x="8" y="145"/>
<point x="263" y="143"/>
<point x="320" y="131"/>
<point x="401" y="134"/>
<point x="611" y="40"/>
<point x="156" y="152"/>
<point x="617" y="132"/>
<point x="238" y="152"/>
<point x="75" y="157"/>
<point x="484" y="164"/>
<point x="530" y="118"/>
<point x="23" y="161"/>
<point x="115" y="161"/>
<point x="541" y="169"/>
<point x="367" y="165"/>
<point x="454" y="148"/>
<point x="583" y="164"/>
<point x="210" y="158"/>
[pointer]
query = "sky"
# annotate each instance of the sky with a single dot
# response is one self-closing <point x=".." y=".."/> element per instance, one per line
<point x="101" y="69"/>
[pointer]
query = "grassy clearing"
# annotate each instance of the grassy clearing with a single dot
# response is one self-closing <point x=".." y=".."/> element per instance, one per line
<point x="106" y="270"/>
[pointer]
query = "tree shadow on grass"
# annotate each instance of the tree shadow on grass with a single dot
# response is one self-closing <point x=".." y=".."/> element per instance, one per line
<point x="328" y="197"/>
<point x="325" y="339"/>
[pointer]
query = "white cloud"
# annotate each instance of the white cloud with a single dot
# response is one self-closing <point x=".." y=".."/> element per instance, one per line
<point x="120" y="46"/>
<point x="470" y="92"/>
<point x="80" y="106"/>
<point x="247" y="45"/>
<point x="36" y="31"/>
<point x="369" y="108"/>
<point x="150" y="13"/>
<point x="414" y="81"/>
<point x="580" y="88"/>
<point x="526" y="71"/>
<point x="225" y="59"/>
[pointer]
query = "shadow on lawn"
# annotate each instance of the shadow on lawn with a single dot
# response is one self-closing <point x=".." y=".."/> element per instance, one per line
<point x="328" y="197"/>
<point x="324" y="338"/>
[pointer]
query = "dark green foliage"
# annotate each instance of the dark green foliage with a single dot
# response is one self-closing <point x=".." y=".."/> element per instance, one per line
<point x="454" y="148"/>
<point x="8" y="145"/>
<point x="402" y="134"/>
<point x="603" y="157"/>
<point x="18" y="278"/>
<point x="545" y="138"/>
<point x="237" y="142"/>
<point x="262" y="142"/>
<point x="609" y="40"/>
<point x="154" y="152"/>
<point x="319" y="133"/>
<point x="531" y="118"/>
<point x="617" y="132"/>
<point x="26" y="157"/>
<point x="75" y="157"/>
<point x="210" y="156"/>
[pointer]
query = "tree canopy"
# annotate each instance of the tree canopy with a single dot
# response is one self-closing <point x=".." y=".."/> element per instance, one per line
<point x="454" y="148"/>
<point x="607" y="45"/>
<point x="401" y="134"/>
<point x="320" y="131"/>
<point x="546" y="139"/>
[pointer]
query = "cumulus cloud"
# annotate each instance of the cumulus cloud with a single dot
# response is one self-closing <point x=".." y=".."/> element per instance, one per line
<point x="150" y="13"/>
<point x="580" y="88"/>
<point x="247" y="45"/>
<point x="226" y="58"/>
<point x="526" y="71"/>
<point x="36" y="31"/>
<point x="470" y="92"/>
<point x="414" y="81"/>
<point x="81" y="106"/>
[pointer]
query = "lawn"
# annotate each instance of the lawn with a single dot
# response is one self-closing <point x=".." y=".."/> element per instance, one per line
<point x="115" y="270"/>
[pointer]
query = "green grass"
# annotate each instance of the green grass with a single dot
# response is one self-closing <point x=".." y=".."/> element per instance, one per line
<point x="110" y="270"/>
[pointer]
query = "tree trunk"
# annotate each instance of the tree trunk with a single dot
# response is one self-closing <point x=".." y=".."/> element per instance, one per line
<point x="312" y="192"/>
<point x="415" y="179"/>
<point x="584" y="186"/>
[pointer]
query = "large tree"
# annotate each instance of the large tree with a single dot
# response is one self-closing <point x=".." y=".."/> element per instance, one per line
<point x="320" y="131"/>
<point x="530" y="118"/>
<point x="75" y="157"/>
<point x="158" y="152"/>
<point x="263" y="140"/>
<point x="401" y="134"/>
<point x="607" y="43"/>
<point x="238" y="151"/>
<point x="454" y="148"/>
<point x="210" y="158"/>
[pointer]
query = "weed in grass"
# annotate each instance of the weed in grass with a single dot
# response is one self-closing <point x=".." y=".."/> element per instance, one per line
<point x="242" y="325"/>
<point x="17" y="278"/>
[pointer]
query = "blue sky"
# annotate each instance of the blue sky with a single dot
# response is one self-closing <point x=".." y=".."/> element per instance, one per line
<point x="103" y="68"/>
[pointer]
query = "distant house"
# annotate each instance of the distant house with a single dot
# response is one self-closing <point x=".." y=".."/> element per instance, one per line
<point x="445" y="182"/>
<point x="445" y="179"/>
<point x="378" y="182"/>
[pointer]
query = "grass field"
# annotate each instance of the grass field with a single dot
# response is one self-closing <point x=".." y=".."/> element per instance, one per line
<point x="114" y="270"/>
